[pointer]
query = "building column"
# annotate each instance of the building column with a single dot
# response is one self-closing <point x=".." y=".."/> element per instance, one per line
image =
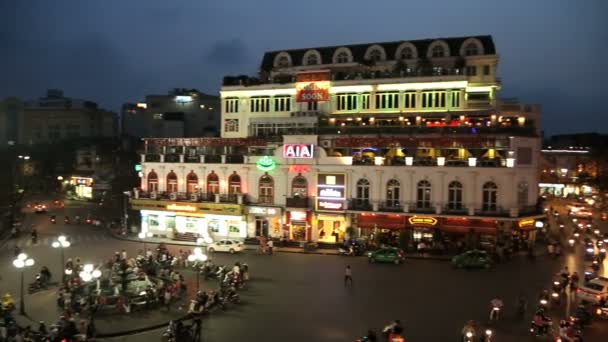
<point x="473" y="195"/>
<point x="441" y="201"/>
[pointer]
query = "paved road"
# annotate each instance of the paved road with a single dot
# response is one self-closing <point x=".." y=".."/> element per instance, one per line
<point x="295" y="297"/>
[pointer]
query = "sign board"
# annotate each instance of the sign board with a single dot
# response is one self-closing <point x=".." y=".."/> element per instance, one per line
<point x="525" y="223"/>
<point x="312" y="86"/>
<point x="298" y="168"/>
<point x="331" y="191"/>
<point x="263" y="211"/>
<point x="424" y="220"/>
<point x="298" y="151"/>
<point x="266" y="164"/>
<point x="138" y="167"/>
<point x="181" y="207"/>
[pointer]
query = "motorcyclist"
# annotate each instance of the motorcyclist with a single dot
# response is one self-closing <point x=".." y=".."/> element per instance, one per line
<point x="393" y="328"/>
<point x="34" y="235"/>
<point x="541" y="322"/>
<point x="44" y="271"/>
<point x="582" y="315"/>
<point x="469" y="327"/>
<point x="370" y="336"/>
<point x="522" y="304"/>
<point x="574" y="278"/>
<point x="496" y="305"/>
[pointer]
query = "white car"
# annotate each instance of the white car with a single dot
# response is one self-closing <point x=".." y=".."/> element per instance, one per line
<point x="40" y="208"/>
<point x="594" y="290"/>
<point x="230" y="246"/>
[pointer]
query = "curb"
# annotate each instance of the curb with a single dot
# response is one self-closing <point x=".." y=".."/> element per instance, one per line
<point x="137" y="331"/>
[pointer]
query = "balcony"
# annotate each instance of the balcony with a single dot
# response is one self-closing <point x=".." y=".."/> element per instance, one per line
<point x="363" y="204"/>
<point x="152" y="158"/>
<point x="492" y="211"/>
<point x="213" y="159"/>
<point x="420" y="130"/>
<point x="298" y="202"/>
<point x="391" y="206"/>
<point x="455" y="209"/>
<point x="420" y="207"/>
<point x="189" y="197"/>
<point x="234" y="159"/>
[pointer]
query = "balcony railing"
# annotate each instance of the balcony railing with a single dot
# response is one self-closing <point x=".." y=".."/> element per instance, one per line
<point x="266" y="200"/>
<point x="491" y="210"/>
<point x="213" y="159"/>
<point x="235" y="159"/>
<point x="192" y="159"/>
<point x="298" y="202"/>
<point x="417" y="130"/>
<point x="391" y="205"/>
<point x="360" y="204"/>
<point x="152" y="158"/>
<point x="455" y="208"/>
<point x="189" y="197"/>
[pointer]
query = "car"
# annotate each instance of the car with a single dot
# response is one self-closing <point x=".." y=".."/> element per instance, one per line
<point x="594" y="290"/>
<point x="40" y="208"/>
<point x="226" y="245"/>
<point x="473" y="259"/>
<point x="387" y="255"/>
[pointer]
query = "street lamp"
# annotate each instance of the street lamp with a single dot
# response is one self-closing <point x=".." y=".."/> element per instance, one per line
<point x="90" y="273"/>
<point x="143" y="236"/>
<point x="199" y="258"/>
<point x="62" y="243"/>
<point x="21" y="263"/>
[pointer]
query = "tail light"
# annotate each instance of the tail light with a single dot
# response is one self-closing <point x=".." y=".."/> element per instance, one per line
<point x="598" y="311"/>
<point x="578" y="290"/>
<point x="598" y="297"/>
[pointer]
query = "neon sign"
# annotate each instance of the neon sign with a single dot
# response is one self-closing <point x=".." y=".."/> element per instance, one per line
<point x="180" y="207"/>
<point x="431" y="221"/>
<point x="298" y="168"/>
<point x="266" y="164"/>
<point x="525" y="223"/>
<point x="298" y="151"/>
<point x="331" y="192"/>
<point x="330" y="205"/>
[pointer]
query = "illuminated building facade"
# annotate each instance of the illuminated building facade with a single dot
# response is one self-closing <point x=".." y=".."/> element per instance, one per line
<point x="382" y="138"/>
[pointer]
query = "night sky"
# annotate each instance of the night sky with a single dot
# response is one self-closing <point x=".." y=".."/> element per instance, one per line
<point x="552" y="52"/>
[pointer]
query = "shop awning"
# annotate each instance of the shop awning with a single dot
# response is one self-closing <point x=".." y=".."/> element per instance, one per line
<point x="381" y="221"/>
<point x="466" y="229"/>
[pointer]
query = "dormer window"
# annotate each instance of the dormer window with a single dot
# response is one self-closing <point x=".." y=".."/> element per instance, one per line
<point x="375" y="55"/>
<point x="283" y="62"/>
<point x="438" y="51"/>
<point x="407" y="53"/>
<point x="312" y="60"/>
<point x="471" y="50"/>
<point x="342" y="57"/>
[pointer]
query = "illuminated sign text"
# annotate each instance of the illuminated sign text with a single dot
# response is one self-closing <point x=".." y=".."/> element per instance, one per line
<point x="298" y="151"/>
<point x="431" y="221"/>
<point x="181" y="207"/>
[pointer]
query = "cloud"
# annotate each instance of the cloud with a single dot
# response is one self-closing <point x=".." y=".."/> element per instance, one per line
<point x="232" y="52"/>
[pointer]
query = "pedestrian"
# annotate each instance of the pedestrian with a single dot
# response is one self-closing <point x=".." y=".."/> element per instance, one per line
<point x="124" y="255"/>
<point x="550" y="249"/>
<point x="168" y="297"/>
<point x="270" y="246"/>
<point x="348" y="276"/>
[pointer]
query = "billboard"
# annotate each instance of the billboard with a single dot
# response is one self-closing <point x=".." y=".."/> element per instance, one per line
<point x="312" y="86"/>
<point x="331" y="191"/>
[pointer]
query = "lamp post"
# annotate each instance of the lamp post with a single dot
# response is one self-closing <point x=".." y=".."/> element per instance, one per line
<point x="198" y="257"/>
<point x="21" y="263"/>
<point x="125" y="204"/>
<point x="62" y="243"/>
<point x="143" y="236"/>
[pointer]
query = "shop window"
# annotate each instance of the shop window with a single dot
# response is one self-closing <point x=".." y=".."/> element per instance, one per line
<point x="266" y="189"/>
<point x="423" y="199"/>
<point x="171" y="182"/>
<point x="363" y="187"/>
<point x="299" y="186"/>
<point x="191" y="182"/>
<point x="393" y="188"/>
<point x="489" y="196"/>
<point x="213" y="183"/>
<point x="455" y="196"/>
<point x="152" y="181"/>
<point x="261" y="227"/>
<point x="234" y="184"/>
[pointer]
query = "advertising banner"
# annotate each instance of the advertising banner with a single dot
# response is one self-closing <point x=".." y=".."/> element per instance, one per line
<point x="312" y="86"/>
<point x="331" y="192"/>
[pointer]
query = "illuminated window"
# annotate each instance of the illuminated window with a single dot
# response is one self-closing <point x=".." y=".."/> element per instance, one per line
<point x="438" y="51"/>
<point x="231" y="125"/>
<point x="232" y="105"/>
<point x="455" y="195"/>
<point x="387" y="100"/>
<point x="347" y="101"/>
<point x="152" y="181"/>
<point x="489" y="196"/>
<point x="213" y="183"/>
<point x="471" y="50"/>
<point x="282" y="104"/>
<point x="260" y="104"/>
<point x="191" y="182"/>
<point x="423" y="199"/>
<point x="172" y="182"/>
<point x="234" y="184"/>
<point x="299" y="186"/>
<point x="266" y="189"/>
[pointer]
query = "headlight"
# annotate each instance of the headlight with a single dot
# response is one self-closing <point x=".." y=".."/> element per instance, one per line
<point x="489" y="332"/>
<point x="589" y="250"/>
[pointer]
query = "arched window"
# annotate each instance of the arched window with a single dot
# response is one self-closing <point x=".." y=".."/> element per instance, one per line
<point x="171" y="182"/>
<point x="455" y="195"/>
<point x="423" y="200"/>
<point x="234" y="184"/>
<point x="375" y="55"/>
<point x="312" y="59"/>
<point x="283" y="62"/>
<point x="152" y="181"/>
<point x="266" y="189"/>
<point x="191" y="182"/>
<point x="471" y="49"/>
<point x="522" y="195"/>
<point x="213" y="183"/>
<point x="362" y="192"/>
<point x="406" y="53"/>
<point x="393" y="193"/>
<point x="438" y="51"/>
<point x="342" y="57"/>
<point x="489" y="197"/>
<point x="299" y="186"/>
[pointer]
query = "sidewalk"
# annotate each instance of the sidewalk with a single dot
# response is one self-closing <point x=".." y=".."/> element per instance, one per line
<point x="42" y="306"/>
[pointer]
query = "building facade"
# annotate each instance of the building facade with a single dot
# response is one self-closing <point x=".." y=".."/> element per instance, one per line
<point x="55" y="117"/>
<point x="354" y="140"/>
<point x="180" y="113"/>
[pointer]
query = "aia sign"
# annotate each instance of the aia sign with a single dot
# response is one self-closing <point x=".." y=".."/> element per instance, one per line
<point x="298" y="151"/>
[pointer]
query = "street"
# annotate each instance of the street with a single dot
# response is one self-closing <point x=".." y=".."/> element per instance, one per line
<point x="302" y="297"/>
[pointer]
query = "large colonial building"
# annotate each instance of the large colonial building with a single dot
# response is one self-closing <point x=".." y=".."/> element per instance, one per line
<point x="383" y="137"/>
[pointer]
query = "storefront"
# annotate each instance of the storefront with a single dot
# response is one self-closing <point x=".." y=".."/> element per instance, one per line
<point x="473" y="232"/>
<point x="264" y="221"/>
<point x="370" y="224"/>
<point x="330" y="228"/>
<point x="197" y="220"/>
<point x="298" y="227"/>
<point x="83" y="186"/>
<point x="423" y="228"/>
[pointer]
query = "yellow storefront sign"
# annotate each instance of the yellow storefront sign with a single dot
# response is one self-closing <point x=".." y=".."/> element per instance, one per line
<point x="431" y="221"/>
<point x="203" y="208"/>
<point x="525" y="223"/>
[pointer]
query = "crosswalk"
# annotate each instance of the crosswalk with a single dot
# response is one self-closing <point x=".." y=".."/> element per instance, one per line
<point x="26" y="241"/>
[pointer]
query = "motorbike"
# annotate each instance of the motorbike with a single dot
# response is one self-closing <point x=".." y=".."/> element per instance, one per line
<point x="543" y="330"/>
<point x="53" y="219"/>
<point x="38" y="285"/>
<point x="555" y="297"/>
<point x="557" y="286"/>
<point x="571" y="242"/>
<point x="595" y="265"/>
<point x="469" y="336"/>
<point x="66" y="220"/>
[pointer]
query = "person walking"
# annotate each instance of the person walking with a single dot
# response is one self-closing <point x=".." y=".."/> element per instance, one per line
<point x="270" y="246"/>
<point x="348" y="276"/>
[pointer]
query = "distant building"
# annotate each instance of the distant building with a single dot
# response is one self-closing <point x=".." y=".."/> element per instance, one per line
<point x="180" y="113"/>
<point x="10" y="110"/>
<point x="55" y="117"/>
